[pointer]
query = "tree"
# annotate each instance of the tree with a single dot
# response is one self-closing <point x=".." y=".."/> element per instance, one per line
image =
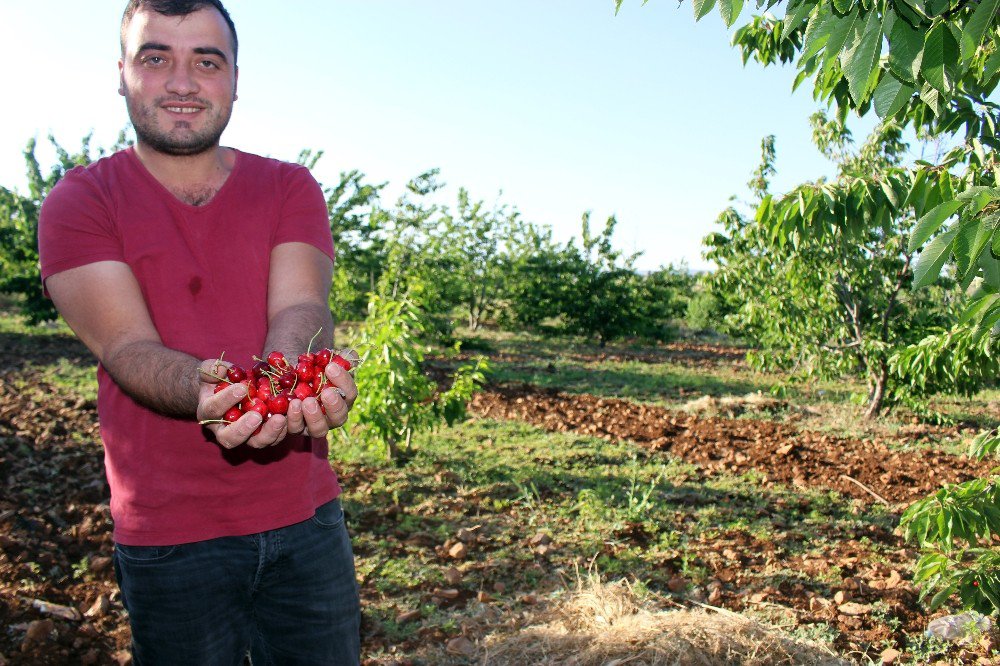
<point x="478" y="242"/>
<point x="601" y="299"/>
<point x="19" y="226"/>
<point x="358" y="241"/>
<point x="537" y="273"/>
<point x="396" y="399"/>
<point x="940" y="67"/>
<point x="821" y="274"/>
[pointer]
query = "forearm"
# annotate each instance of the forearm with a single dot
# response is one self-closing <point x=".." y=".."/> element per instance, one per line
<point x="291" y="329"/>
<point x="161" y="379"/>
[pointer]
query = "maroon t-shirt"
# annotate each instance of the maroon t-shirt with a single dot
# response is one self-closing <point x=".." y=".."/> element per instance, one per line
<point x="203" y="271"/>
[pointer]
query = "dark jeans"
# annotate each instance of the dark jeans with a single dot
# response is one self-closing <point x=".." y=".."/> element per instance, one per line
<point x="287" y="596"/>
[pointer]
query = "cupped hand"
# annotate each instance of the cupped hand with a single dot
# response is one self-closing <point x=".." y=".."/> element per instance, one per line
<point x="250" y="428"/>
<point x="316" y="417"/>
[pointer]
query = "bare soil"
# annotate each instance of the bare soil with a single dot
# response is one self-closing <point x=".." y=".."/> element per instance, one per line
<point x="780" y="453"/>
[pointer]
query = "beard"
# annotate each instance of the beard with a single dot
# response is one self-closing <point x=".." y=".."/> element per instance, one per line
<point x="181" y="139"/>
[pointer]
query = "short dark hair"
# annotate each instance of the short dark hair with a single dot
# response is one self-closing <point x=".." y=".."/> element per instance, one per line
<point x="177" y="8"/>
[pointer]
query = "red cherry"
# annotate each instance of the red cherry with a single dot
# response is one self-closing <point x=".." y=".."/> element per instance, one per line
<point x="287" y="379"/>
<point x="236" y="374"/>
<point x="341" y="361"/>
<point x="304" y="370"/>
<point x="233" y="414"/>
<point x="277" y="360"/>
<point x="264" y="390"/>
<point x="259" y="406"/>
<point x="307" y="357"/>
<point x="322" y="357"/>
<point x="278" y="404"/>
<point x="221" y="386"/>
<point x="259" y="369"/>
<point x="302" y="391"/>
<point x="251" y="388"/>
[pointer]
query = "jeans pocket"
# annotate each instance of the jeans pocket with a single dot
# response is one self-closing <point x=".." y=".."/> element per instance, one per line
<point x="141" y="554"/>
<point x="329" y="516"/>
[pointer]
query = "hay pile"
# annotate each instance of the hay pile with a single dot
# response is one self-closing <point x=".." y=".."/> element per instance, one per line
<point x="607" y="625"/>
<point x="732" y="406"/>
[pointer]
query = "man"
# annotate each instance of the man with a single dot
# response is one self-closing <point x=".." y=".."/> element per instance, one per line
<point x="229" y="538"/>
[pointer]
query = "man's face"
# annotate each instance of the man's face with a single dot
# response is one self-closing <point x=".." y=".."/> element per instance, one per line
<point x="178" y="77"/>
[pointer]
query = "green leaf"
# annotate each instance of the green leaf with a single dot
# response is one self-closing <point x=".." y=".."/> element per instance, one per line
<point x="839" y="33"/>
<point x="821" y="23"/>
<point x="794" y="17"/>
<point x="984" y="233"/>
<point x="861" y="56"/>
<point x="702" y="8"/>
<point x="992" y="66"/>
<point x="891" y="95"/>
<point x="932" y="259"/>
<point x="799" y="78"/>
<point x="730" y="11"/>
<point x="940" y="61"/>
<point x="932" y="98"/>
<point x="890" y="194"/>
<point x="918" y="190"/>
<point x="971" y="240"/>
<point x="906" y="47"/>
<point x="843" y="6"/>
<point x="990" y="266"/>
<point x="975" y="28"/>
<point x="931" y="222"/>
<point x="976" y="309"/>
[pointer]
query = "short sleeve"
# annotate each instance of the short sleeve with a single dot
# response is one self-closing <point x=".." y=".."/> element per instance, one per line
<point x="76" y="226"/>
<point x="304" y="217"/>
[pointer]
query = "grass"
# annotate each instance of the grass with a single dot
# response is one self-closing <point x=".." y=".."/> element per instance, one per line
<point x="663" y="383"/>
<point x="623" y="512"/>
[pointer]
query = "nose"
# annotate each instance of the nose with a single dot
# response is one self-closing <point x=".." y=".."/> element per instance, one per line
<point x="181" y="81"/>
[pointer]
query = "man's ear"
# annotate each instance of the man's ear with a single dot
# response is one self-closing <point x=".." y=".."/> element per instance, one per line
<point x="121" y="78"/>
<point x="236" y="80"/>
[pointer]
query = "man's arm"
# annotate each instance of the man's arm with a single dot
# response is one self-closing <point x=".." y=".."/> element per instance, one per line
<point x="297" y="307"/>
<point x="103" y="304"/>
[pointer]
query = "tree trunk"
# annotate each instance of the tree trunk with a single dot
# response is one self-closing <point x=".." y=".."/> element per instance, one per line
<point x="877" y="396"/>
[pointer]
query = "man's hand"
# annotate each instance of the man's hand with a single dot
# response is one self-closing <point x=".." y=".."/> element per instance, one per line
<point x="337" y="400"/>
<point x="212" y="407"/>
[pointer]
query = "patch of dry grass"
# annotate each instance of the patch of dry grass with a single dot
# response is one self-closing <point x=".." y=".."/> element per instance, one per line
<point x="607" y="624"/>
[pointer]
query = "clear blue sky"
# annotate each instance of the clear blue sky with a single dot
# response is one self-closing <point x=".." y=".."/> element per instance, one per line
<point x="553" y="107"/>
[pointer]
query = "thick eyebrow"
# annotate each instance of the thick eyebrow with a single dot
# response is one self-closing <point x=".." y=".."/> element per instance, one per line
<point x="200" y="50"/>
<point x="211" y="50"/>
<point x="153" y="46"/>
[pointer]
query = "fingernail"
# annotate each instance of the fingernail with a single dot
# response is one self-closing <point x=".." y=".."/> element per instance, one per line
<point x="255" y="419"/>
<point x="310" y="406"/>
<point x="240" y="390"/>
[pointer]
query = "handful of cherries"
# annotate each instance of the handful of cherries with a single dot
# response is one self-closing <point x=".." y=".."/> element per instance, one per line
<point x="273" y="382"/>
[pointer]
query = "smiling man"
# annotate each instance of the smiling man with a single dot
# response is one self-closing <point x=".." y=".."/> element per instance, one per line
<point x="229" y="537"/>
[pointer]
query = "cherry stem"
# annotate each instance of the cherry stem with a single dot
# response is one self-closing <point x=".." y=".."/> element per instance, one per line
<point x="206" y="372"/>
<point x="312" y="340"/>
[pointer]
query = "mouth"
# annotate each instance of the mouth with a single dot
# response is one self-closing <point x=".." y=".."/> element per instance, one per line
<point x="182" y="109"/>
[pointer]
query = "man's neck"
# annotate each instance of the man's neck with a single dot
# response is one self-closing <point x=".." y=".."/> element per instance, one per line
<point x="193" y="179"/>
